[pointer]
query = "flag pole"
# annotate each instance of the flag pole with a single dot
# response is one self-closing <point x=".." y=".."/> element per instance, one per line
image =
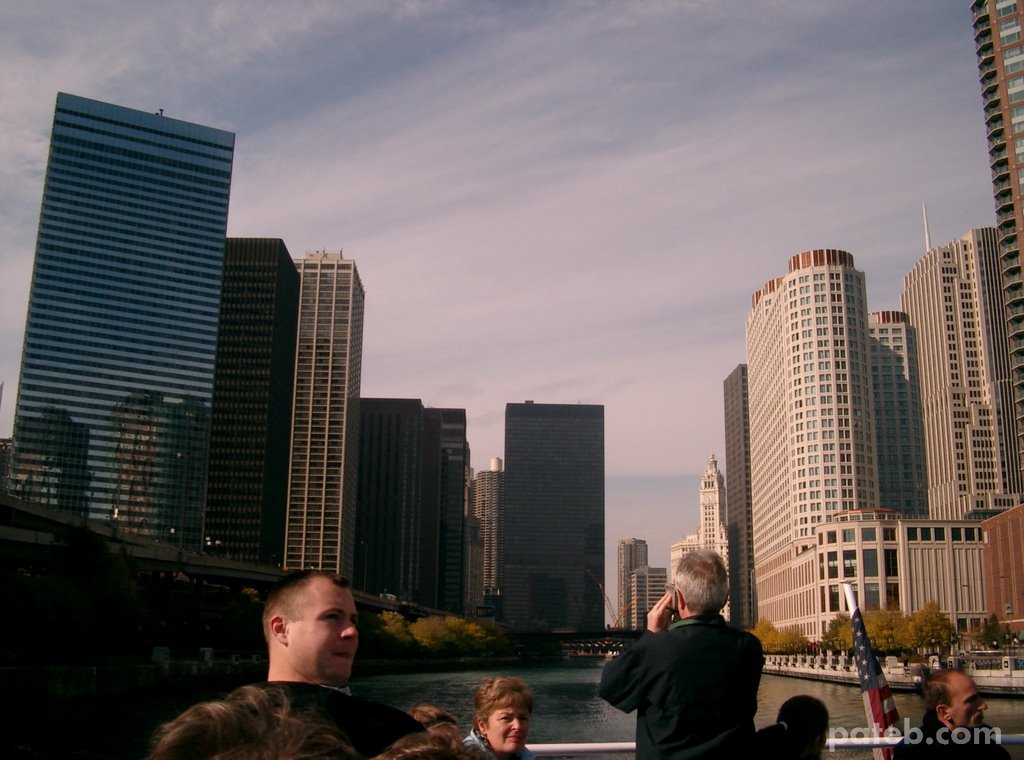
<point x="879" y="707"/>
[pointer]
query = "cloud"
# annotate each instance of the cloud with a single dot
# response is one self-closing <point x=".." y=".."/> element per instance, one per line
<point x="559" y="201"/>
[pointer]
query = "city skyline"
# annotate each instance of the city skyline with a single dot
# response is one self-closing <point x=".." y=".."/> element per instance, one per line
<point x="533" y="169"/>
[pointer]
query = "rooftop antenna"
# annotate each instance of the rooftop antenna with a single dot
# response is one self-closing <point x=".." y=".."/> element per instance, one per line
<point x="927" y="235"/>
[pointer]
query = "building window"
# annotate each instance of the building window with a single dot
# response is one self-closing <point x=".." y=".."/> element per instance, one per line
<point x="891" y="563"/>
<point x="871" y="597"/>
<point x="892" y="596"/>
<point x="868" y="534"/>
<point x="833" y="597"/>
<point x="870" y="563"/>
<point x="850" y="563"/>
<point x="833" y="565"/>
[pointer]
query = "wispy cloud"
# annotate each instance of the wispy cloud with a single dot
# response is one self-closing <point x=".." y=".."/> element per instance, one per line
<point x="559" y="201"/>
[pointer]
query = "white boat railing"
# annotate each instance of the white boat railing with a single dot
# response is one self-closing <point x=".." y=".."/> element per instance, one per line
<point x="608" y="748"/>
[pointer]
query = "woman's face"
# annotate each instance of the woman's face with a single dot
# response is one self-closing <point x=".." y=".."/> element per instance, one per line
<point x="506" y="730"/>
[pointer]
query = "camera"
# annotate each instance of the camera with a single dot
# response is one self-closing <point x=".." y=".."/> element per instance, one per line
<point x="671" y="606"/>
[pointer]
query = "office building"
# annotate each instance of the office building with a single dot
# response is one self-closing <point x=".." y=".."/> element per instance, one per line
<point x="1003" y="537"/>
<point x="553" y="551"/>
<point x="812" y="431"/>
<point x="247" y="485"/>
<point x="1000" y="52"/>
<point x="632" y="555"/>
<point x="488" y="508"/>
<point x="451" y="479"/>
<point x="899" y="563"/>
<point x="646" y="587"/>
<point x="390" y="503"/>
<point x="952" y="299"/>
<point x="739" y="528"/>
<point x="320" y="523"/>
<point x="113" y="410"/>
<point x="902" y="478"/>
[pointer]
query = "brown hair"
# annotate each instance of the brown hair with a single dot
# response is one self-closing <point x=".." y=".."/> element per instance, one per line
<point x="283" y="598"/>
<point x="425" y="745"/>
<point x="502" y="691"/>
<point x="437" y="721"/>
<point x="251" y="723"/>
<point x="935" y="688"/>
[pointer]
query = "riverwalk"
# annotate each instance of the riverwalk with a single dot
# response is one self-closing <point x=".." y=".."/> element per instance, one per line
<point x="997" y="674"/>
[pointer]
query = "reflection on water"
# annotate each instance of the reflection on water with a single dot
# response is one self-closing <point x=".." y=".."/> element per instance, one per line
<point x="569" y="710"/>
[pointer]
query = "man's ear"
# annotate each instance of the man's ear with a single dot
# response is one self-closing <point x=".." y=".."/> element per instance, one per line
<point x="279" y="629"/>
<point x="942" y="713"/>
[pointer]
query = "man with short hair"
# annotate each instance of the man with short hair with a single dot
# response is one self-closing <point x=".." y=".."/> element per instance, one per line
<point x="692" y="679"/>
<point x="953" y="724"/>
<point x="309" y="621"/>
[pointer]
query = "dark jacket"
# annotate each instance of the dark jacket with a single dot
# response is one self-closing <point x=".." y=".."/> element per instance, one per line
<point x="931" y="744"/>
<point x="370" y="726"/>
<point x="694" y="688"/>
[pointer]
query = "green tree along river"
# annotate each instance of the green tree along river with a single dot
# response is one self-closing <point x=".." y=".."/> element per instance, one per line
<point x="567" y="710"/>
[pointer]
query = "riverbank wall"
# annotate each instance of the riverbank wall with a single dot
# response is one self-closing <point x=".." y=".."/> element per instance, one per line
<point x="995" y="674"/>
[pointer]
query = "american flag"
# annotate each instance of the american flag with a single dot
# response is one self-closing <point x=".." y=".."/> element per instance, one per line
<point x="879" y="707"/>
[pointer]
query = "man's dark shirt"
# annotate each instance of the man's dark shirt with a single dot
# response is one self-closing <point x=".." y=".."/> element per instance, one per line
<point x="694" y="688"/>
<point x="370" y="726"/>
<point x="930" y="745"/>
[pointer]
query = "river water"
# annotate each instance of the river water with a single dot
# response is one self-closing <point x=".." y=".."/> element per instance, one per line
<point x="567" y="709"/>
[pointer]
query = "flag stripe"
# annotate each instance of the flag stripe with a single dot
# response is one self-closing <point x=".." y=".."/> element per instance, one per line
<point x="879" y="707"/>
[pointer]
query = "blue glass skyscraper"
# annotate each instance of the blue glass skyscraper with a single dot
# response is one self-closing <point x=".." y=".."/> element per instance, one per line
<point x="113" y="410"/>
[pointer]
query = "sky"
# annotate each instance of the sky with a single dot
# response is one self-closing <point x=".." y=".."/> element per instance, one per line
<point x="558" y="201"/>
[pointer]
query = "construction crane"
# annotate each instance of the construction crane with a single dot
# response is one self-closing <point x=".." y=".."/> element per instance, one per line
<point x="607" y="601"/>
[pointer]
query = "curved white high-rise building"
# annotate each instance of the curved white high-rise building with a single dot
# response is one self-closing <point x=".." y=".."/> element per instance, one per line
<point x="812" y="431"/>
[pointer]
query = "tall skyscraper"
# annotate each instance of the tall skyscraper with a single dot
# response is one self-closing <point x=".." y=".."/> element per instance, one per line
<point x="113" y="409"/>
<point x="390" y="523"/>
<point x="997" y="37"/>
<point x="812" y="432"/>
<point x="632" y="555"/>
<point x="953" y="301"/>
<point x="320" y="525"/>
<point x="452" y="497"/>
<point x="902" y="479"/>
<point x="553" y="553"/>
<point x="252" y="402"/>
<point x="711" y="532"/>
<point x="488" y="507"/>
<point x="738" y="519"/>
